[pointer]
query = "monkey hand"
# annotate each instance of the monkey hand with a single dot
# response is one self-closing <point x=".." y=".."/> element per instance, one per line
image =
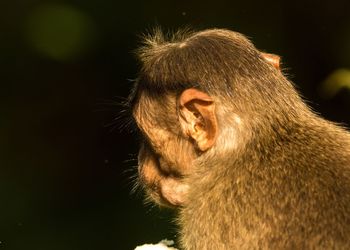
<point x="165" y="187"/>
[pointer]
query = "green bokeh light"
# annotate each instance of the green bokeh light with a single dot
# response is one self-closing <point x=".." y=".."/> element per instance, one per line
<point x="60" y="32"/>
<point x="337" y="80"/>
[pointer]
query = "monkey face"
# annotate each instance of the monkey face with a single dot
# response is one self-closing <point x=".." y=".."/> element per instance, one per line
<point x="175" y="135"/>
<point x="165" y="156"/>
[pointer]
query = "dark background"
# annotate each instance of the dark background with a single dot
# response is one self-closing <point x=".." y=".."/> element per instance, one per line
<point x="65" y="162"/>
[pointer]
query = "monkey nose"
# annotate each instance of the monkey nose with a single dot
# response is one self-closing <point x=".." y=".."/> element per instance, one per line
<point x="149" y="171"/>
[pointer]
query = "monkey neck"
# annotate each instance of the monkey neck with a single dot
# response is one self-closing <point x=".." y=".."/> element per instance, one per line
<point x="268" y="143"/>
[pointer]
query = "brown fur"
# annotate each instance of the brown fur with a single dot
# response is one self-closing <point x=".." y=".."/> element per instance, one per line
<point x="278" y="176"/>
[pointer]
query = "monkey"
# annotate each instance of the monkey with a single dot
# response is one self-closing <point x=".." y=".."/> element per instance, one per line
<point x="229" y="143"/>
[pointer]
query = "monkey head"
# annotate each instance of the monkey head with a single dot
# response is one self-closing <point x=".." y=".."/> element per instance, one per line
<point x="179" y="105"/>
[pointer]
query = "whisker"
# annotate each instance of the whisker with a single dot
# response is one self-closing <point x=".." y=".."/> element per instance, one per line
<point x="122" y="120"/>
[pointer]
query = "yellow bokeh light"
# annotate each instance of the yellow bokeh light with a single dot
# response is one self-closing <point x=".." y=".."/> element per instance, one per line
<point x="336" y="81"/>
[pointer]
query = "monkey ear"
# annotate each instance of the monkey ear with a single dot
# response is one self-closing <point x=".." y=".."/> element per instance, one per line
<point x="197" y="117"/>
<point x="273" y="59"/>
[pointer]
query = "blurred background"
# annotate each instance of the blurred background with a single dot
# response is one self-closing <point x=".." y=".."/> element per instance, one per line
<point x="65" y="162"/>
